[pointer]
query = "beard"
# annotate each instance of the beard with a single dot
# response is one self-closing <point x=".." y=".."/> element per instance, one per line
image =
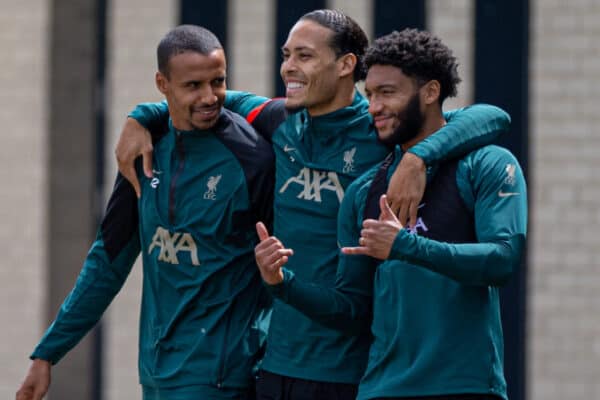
<point x="410" y="123"/>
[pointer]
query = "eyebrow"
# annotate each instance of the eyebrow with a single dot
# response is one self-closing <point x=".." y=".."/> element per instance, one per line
<point x="298" y="48"/>
<point x="383" y="86"/>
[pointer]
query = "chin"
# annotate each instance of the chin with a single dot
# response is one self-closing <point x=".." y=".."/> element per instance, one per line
<point x="292" y="104"/>
<point x="204" y="125"/>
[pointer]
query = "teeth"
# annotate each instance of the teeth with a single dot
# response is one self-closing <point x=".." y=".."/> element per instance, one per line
<point x="294" y="85"/>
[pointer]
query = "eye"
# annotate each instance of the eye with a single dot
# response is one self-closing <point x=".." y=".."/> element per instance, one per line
<point x="285" y="56"/>
<point x="219" y="81"/>
<point x="305" y="56"/>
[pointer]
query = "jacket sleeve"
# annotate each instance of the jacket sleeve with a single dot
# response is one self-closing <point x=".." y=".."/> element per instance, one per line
<point x="493" y="184"/>
<point x="467" y="129"/>
<point x="104" y="271"/>
<point x="347" y="306"/>
<point x="154" y="117"/>
<point x="265" y="114"/>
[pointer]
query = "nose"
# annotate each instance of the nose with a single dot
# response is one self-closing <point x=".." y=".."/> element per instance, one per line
<point x="287" y="65"/>
<point x="375" y="106"/>
<point x="207" y="95"/>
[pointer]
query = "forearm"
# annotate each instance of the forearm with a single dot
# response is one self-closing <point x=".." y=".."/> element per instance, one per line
<point x="467" y="129"/>
<point x="153" y="116"/>
<point x="243" y="103"/>
<point x="487" y="264"/>
<point x="98" y="283"/>
<point x="344" y="309"/>
<point x="104" y="271"/>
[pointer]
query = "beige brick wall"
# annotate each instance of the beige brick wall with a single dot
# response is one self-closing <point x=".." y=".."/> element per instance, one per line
<point x="564" y="305"/>
<point x="360" y="10"/>
<point x="453" y="22"/>
<point x="23" y="114"/>
<point x="136" y="27"/>
<point x="251" y="50"/>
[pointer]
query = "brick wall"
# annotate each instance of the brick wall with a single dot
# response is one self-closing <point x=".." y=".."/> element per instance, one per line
<point x="564" y="306"/>
<point x="23" y="114"/>
<point x="453" y="23"/>
<point x="251" y="46"/>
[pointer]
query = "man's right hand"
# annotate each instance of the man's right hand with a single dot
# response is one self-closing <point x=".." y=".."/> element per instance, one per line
<point x="135" y="141"/>
<point x="37" y="381"/>
<point x="270" y="256"/>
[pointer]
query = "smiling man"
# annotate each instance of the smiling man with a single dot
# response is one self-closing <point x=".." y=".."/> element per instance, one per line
<point x="194" y="227"/>
<point x="432" y="289"/>
<point x="323" y="138"/>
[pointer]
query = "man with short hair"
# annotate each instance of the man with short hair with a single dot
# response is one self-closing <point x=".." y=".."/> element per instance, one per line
<point x="194" y="226"/>
<point x="324" y="138"/>
<point x="434" y="287"/>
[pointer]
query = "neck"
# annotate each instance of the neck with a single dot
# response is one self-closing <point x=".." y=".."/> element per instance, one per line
<point x="344" y="97"/>
<point x="433" y="122"/>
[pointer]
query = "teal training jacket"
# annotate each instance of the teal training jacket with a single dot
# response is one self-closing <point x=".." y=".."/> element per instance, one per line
<point x="434" y="304"/>
<point x="194" y="226"/>
<point x="316" y="160"/>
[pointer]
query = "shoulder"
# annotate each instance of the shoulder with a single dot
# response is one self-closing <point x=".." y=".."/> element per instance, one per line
<point x="233" y="127"/>
<point x="242" y="139"/>
<point x="489" y="169"/>
<point x="489" y="158"/>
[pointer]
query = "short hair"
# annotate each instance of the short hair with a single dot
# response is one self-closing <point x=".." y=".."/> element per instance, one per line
<point x="348" y="36"/>
<point x="182" y="39"/>
<point x="420" y="55"/>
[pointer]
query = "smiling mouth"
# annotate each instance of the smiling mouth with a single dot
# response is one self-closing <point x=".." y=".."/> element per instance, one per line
<point x="207" y="113"/>
<point x="380" y="122"/>
<point x="293" y="88"/>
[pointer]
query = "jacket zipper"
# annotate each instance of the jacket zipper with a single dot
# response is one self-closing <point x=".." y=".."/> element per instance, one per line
<point x="181" y="154"/>
<point x="222" y="354"/>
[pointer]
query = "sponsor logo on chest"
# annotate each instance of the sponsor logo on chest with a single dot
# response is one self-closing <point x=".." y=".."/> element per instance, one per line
<point x="172" y="245"/>
<point x="309" y="184"/>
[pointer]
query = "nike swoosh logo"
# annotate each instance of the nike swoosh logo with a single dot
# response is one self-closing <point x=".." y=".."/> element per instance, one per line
<point x="507" y="194"/>
<point x="287" y="148"/>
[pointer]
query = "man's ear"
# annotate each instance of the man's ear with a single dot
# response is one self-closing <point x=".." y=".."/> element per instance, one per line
<point x="347" y="63"/>
<point x="431" y="92"/>
<point x="161" y="82"/>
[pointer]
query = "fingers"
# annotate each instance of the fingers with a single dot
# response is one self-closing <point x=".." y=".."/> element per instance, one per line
<point x="30" y="392"/>
<point x="129" y="173"/>
<point x="147" y="161"/>
<point x="403" y="212"/>
<point x="269" y="252"/>
<point x="270" y="257"/>
<point x="261" y="230"/>
<point x="276" y="257"/>
<point x="353" y="251"/>
<point x="386" y="212"/>
<point x="24" y="393"/>
<point x="134" y="141"/>
<point x="412" y="212"/>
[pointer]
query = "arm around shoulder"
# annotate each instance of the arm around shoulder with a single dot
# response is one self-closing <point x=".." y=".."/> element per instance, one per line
<point x="467" y="129"/>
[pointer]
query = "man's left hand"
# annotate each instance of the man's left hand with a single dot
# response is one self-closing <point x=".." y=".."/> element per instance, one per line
<point x="407" y="187"/>
<point x="377" y="236"/>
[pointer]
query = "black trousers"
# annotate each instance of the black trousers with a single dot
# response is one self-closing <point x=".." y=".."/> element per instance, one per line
<point x="271" y="386"/>
<point x="448" y="397"/>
